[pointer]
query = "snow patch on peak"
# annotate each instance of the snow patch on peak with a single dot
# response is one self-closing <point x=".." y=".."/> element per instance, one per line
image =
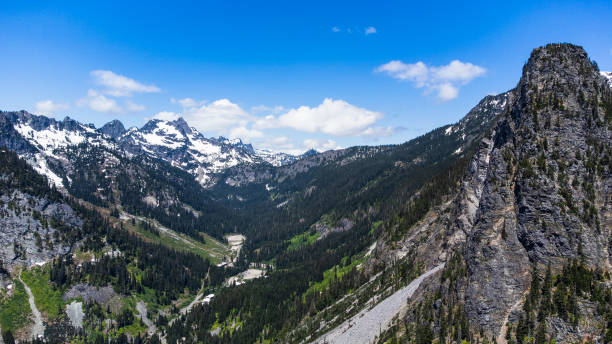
<point x="607" y="76"/>
<point x="50" y="138"/>
<point x="39" y="163"/>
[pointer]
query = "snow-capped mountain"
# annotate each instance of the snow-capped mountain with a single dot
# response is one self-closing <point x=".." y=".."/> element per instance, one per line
<point x="185" y="147"/>
<point x="40" y="139"/>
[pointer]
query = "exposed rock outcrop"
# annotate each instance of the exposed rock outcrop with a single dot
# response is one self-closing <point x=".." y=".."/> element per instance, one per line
<point x="537" y="193"/>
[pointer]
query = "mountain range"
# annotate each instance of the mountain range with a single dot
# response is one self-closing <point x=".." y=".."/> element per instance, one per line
<point x="39" y="139"/>
<point x="494" y="229"/>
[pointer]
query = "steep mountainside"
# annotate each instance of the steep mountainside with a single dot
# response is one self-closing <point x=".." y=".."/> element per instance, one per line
<point x="536" y="196"/>
<point x="51" y="242"/>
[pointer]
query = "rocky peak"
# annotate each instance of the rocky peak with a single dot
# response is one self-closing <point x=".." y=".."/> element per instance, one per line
<point x="182" y="126"/>
<point x="309" y="152"/>
<point x="547" y="181"/>
<point x="113" y="129"/>
<point x="554" y="76"/>
<point x="536" y="193"/>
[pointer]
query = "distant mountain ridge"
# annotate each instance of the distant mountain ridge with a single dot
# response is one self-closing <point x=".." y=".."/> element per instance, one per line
<point x="38" y="138"/>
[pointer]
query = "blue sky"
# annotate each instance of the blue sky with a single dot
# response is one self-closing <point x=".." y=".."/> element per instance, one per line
<point x="283" y="75"/>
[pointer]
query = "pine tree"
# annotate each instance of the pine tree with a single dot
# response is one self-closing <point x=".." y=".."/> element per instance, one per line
<point x="8" y="337"/>
<point x="540" y="337"/>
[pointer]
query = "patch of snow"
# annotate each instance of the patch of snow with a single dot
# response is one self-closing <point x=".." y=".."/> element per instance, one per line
<point x="208" y="298"/>
<point x="371" y="249"/>
<point x="113" y="254"/>
<point x="448" y="130"/>
<point x="202" y="146"/>
<point x="159" y="140"/>
<point x="39" y="163"/>
<point x="50" y="138"/>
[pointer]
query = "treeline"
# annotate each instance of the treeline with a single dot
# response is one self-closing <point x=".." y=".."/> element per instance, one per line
<point x="16" y="174"/>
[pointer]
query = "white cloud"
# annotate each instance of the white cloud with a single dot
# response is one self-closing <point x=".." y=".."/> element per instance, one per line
<point x="99" y="102"/>
<point x="267" y="109"/>
<point x="246" y="134"/>
<point x="321" y="145"/>
<point x="458" y="71"/>
<point x="120" y="86"/>
<point x="445" y="80"/>
<point x="447" y="91"/>
<point x="333" y="117"/>
<point x="187" y="102"/>
<point x="133" y="107"/>
<point x="166" y="116"/>
<point x="417" y="72"/>
<point x="286" y="144"/>
<point x="279" y="144"/>
<point x="370" y="30"/>
<point x="220" y="116"/>
<point x="271" y="127"/>
<point x="378" y="131"/>
<point x="49" y="107"/>
<point x="335" y="29"/>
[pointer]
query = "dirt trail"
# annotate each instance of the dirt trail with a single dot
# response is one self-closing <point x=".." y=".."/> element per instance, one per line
<point x="195" y="301"/>
<point x="363" y="327"/>
<point x="38" y="329"/>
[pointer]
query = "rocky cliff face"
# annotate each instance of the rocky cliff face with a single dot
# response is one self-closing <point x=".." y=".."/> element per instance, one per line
<point x="537" y="193"/>
<point x="546" y="197"/>
<point x="27" y="238"/>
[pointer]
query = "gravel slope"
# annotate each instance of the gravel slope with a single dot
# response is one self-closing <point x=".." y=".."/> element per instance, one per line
<point x="141" y="307"/>
<point x="75" y="313"/>
<point x="38" y="329"/>
<point x="364" y="326"/>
